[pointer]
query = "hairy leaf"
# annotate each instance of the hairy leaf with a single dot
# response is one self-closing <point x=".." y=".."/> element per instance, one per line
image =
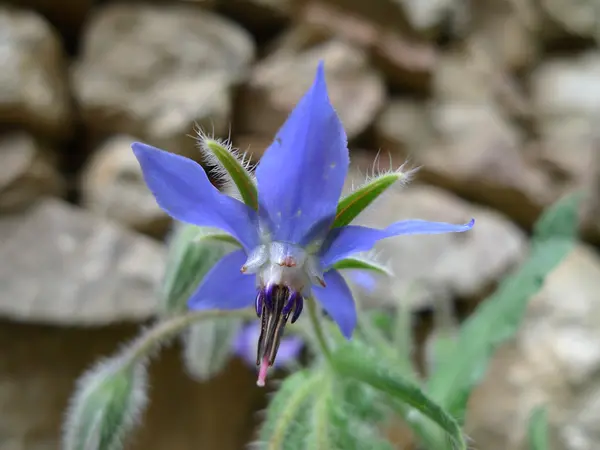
<point x="538" y="433"/>
<point x="356" y="361"/>
<point x="498" y="317"/>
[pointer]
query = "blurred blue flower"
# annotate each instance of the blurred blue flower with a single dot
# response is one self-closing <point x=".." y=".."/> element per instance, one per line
<point x="288" y="245"/>
<point x="245" y="346"/>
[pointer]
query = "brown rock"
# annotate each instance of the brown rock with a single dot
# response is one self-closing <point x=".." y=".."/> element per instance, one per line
<point x="578" y="19"/>
<point x="277" y="83"/>
<point x="40" y="364"/>
<point x="470" y="149"/>
<point x="63" y="266"/>
<point x="260" y="16"/>
<point x="552" y="361"/>
<point x="27" y="172"/>
<point x="506" y="31"/>
<point x="406" y="60"/>
<point x="566" y="94"/>
<point x="33" y="86"/>
<point x="446" y="266"/>
<point x="155" y="71"/>
<point x="67" y="15"/>
<point x="112" y="185"/>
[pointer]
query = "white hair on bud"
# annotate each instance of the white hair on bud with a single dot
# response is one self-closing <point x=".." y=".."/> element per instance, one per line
<point x="216" y="168"/>
<point x="375" y="257"/>
<point x="87" y="385"/>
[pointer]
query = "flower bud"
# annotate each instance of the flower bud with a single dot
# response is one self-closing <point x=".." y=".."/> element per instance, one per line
<point x="106" y="406"/>
<point x="193" y="251"/>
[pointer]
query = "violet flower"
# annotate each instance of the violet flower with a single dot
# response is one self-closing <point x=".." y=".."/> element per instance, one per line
<point x="288" y="244"/>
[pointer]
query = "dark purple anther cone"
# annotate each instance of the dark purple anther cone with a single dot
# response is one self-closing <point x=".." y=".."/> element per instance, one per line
<point x="276" y="304"/>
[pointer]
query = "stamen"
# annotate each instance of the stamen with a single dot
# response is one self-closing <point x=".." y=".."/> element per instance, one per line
<point x="276" y="303"/>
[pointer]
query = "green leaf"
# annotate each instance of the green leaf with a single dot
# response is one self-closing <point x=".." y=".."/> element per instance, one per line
<point x="106" y="406"/>
<point x="193" y="251"/>
<point x="354" y="203"/>
<point x="538" y="431"/>
<point x="356" y="262"/>
<point x="208" y="345"/>
<point x="499" y="316"/>
<point x="236" y="167"/>
<point x="359" y="362"/>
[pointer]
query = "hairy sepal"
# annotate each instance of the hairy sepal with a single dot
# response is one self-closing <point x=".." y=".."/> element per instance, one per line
<point x="354" y="203"/>
<point x="230" y="166"/>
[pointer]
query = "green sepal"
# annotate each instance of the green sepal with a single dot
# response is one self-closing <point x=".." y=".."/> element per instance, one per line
<point x="236" y="169"/>
<point x="354" y="203"/>
<point x="355" y="262"/>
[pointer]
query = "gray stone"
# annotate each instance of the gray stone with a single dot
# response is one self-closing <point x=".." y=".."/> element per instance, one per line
<point x="157" y="71"/>
<point x="63" y="266"/>
<point x="112" y="185"/>
<point x="28" y="171"/>
<point x="33" y="80"/>
<point x="356" y="91"/>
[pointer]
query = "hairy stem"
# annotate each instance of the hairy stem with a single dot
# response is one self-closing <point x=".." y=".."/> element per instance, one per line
<point x="169" y="328"/>
<point x="316" y="323"/>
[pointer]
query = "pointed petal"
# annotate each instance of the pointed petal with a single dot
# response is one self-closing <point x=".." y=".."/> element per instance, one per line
<point x="183" y="191"/>
<point x="301" y="175"/>
<point x="224" y="286"/>
<point x="345" y="241"/>
<point x="337" y="300"/>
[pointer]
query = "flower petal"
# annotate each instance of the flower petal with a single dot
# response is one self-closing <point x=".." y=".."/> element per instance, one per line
<point x="337" y="300"/>
<point x="224" y="286"/>
<point x="301" y="175"/>
<point x="345" y="241"/>
<point x="182" y="190"/>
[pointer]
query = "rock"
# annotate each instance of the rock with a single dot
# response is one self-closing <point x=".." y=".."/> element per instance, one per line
<point x="429" y="15"/>
<point x="28" y="171"/>
<point x="112" y="185"/>
<point x="67" y="16"/>
<point x="565" y="97"/>
<point x="40" y="364"/>
<point x="554" y="360"/>
<point x="578" y="19"/>
<point x="471" y="149"/>
<point x="443" y="267"/>
<point x="155" y="71"/>
<point x="63" y="266"/>
<point x="260" y="16"/>
<point x="472" y="75"/>
<point x="33" y="80"/>
<point x="277" y="83"/>
<point x="407" y="61"/>
<point x="507" y="32"/>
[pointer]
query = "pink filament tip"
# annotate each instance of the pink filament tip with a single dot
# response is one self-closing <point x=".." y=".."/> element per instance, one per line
<point x="262" y="372"/>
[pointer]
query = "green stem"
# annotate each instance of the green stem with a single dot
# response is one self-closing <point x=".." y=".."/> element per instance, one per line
<point x="316" y="323"/>
<point x="169" y="328"/>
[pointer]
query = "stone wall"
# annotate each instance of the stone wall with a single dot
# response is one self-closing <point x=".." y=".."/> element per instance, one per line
<point x="497" y="100"/>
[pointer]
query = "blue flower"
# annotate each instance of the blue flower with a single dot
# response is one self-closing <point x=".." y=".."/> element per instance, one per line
<point x="288" y="245"/>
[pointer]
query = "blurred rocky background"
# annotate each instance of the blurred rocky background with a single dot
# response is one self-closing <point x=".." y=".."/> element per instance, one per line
<point x="497" y="100"/>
